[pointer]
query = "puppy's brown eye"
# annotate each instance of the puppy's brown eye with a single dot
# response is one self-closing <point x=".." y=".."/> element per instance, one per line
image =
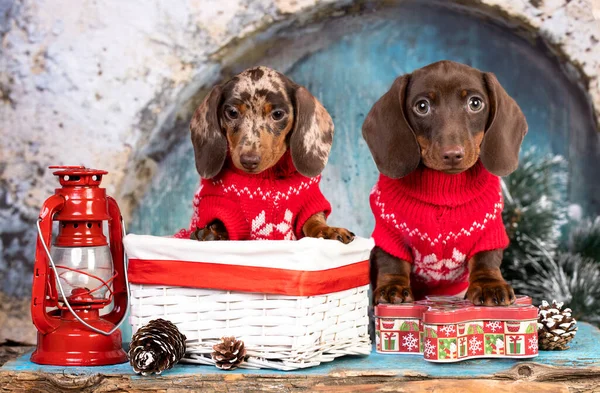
<point x="277" y="114"/>
<point x="232" y="113"/>
<point x="475" y="104"/>
<point x="422" y="107"/>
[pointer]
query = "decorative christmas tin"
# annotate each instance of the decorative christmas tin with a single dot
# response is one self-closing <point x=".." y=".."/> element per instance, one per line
<point x="450" y="329"/>
<point x="399" y="328"/>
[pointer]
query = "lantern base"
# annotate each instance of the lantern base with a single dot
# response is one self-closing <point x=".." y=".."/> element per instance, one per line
<point x="72" y="344"/>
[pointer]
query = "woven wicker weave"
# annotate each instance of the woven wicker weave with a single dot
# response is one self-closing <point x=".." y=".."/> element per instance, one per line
<point x="279" y="331"/>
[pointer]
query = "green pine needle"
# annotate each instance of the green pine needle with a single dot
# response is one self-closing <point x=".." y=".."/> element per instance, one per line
<point x="568" y="278"/>
<point x="584" y="239"/>
<point x="537" y="263"/>
<point x="534" y="210"/>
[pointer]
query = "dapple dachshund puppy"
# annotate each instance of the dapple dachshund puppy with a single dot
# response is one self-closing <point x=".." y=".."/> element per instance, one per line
<point x="260" y="143"/>
<point x="440" y="138"/>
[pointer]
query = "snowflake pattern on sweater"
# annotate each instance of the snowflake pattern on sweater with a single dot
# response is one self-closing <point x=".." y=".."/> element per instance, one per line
<point x="271" y="205"/>
<point x="432" y="270"/>
<point x="261" y="230"/>
<point x="437" y="222"/>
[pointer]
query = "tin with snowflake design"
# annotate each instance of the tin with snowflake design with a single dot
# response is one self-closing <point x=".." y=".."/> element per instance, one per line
<point x="459" y="330"/>
<point x="451" y="329"/>
<point x="399" y="328"/>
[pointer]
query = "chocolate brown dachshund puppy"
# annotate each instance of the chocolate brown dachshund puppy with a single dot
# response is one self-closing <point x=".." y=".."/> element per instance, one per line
<point x="440" y="138"/>
<point x="260" y="143"/>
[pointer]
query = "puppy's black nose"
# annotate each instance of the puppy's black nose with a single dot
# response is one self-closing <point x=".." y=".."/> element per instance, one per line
<point x="453" y="155"/>
<point x="249" y="161"/>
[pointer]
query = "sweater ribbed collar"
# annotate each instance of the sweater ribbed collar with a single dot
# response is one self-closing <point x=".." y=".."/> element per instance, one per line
<point x="439" y="188"/>
<point x="284" y="168"/>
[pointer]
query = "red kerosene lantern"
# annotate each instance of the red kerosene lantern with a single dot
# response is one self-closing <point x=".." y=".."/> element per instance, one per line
<point x="79" y="275"/>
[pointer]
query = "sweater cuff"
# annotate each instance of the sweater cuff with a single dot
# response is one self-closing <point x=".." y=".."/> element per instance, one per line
<point x="312" y="204"/>
<point x="183" y="234"/>
<point x="213" y="208"/>
<point x="390" y="241"/>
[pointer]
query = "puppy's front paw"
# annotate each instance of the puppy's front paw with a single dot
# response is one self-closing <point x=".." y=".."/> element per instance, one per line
<point x="341" y="234"/>
<point x="213" y="231"/>
<point x="393" y="294"/>
<point x="490" y="292"/>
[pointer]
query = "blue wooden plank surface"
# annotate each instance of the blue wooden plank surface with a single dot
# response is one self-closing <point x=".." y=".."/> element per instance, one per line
<point x="584" y="352"/>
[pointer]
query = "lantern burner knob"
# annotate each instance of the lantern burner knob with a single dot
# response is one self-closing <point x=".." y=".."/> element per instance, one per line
<point x="80" y="295"/>
<point x="83" y="299"/>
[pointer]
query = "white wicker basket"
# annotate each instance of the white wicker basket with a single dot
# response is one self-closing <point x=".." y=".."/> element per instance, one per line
<point x="297" y="324"/>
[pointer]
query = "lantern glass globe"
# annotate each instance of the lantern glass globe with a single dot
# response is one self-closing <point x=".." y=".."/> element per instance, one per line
<point x="84" y="268"/>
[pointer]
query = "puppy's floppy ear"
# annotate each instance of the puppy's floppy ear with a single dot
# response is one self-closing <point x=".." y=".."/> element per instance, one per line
<point x="210" y="144"/>
<point x="389" y="136"/>
<point x="505" y="130"/>
<point x="312" y="136"/>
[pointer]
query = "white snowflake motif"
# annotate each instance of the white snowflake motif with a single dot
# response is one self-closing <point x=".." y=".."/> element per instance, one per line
<point x="493" y="326"/>
<point x="196" y="214"/>
<point x="493" y="212"/>
<point x="448" y="329"/>
<point x="474" y="345"/>
<point x="429" y="269"/>
<point x="429" y="349"/>
<point x="268" y="194"/>
<point x="533" y="343"/>
<point x="409" y="342"/>
<point x="261" y="230"/>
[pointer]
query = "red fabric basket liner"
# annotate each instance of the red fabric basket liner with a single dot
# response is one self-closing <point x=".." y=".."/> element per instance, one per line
<point x="151" y="264"/>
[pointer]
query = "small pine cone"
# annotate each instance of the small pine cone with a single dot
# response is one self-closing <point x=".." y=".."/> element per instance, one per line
<point x="556" y="327"/>
<point x="156" y="347"/>
<point x="229" y="353"/>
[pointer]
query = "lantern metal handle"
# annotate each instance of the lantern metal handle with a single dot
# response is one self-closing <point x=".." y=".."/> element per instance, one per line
<point x="62" y="292"/>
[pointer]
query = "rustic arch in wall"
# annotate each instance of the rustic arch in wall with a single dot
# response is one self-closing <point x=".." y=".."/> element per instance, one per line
<point x="332" y="51"/>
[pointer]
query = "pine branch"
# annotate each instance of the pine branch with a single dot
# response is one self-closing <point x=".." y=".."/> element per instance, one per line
<point x="584" y="239"/>
<point x="534" y="210"/>
<point x="568" y="278"/>
<point x="535" y="216"/>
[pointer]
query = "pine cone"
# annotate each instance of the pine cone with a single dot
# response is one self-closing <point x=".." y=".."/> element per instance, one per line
<point x="556" y="327"/>
<point x="156" y="347"/>
<point x="229" y="353"/>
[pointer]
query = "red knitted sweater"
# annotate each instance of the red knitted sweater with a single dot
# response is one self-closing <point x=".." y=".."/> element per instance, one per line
<point x="271" y="205"/>
<point x="437" y="222"/>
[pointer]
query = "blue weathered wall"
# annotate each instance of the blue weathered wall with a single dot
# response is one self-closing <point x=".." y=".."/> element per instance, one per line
<point x="352" y="72"/>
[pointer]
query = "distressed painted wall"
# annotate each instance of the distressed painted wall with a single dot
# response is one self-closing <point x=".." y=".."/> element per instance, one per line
<point x="105" y="82"/>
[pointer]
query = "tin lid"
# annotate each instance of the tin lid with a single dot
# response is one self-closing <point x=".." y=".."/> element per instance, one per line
<point x="522" y="299"/>
<point x="448" y="315"/>
<point x="453" y="309"/>
<point x="408" y="310"/>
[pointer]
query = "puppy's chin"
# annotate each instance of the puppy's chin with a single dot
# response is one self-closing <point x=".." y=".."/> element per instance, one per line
<point x="262" y="166"/>
<point x="250" y="171"/>
<point x="454" y="171"/>
<point x="254" y="171"/>
<point x="450" y="170"/>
